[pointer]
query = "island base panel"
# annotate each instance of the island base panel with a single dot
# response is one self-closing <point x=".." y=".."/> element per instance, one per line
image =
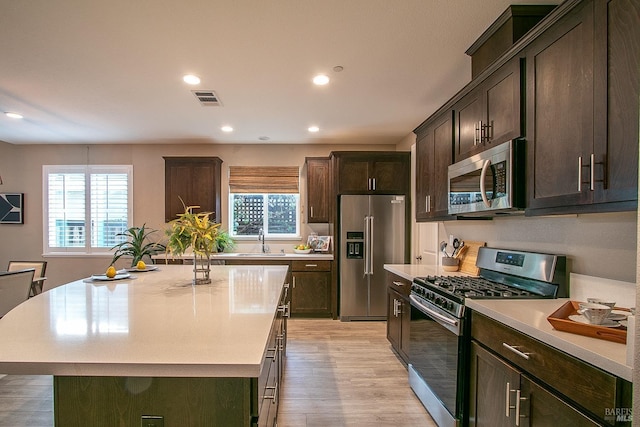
<point x="122" y="401"/>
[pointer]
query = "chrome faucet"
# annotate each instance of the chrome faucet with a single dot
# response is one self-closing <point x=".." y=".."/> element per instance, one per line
<point x="265" y="249"/>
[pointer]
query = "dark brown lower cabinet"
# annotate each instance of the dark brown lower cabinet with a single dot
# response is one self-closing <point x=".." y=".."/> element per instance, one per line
<point x="516" y="380"/>
<point x="502" y="396"/>
<point x="311" y="288"/>
<point x="398" y="314"/>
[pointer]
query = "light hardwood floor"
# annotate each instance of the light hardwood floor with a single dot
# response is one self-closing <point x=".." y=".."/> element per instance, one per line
<point x="336" y="374"/>
<point x="345" y="374"/>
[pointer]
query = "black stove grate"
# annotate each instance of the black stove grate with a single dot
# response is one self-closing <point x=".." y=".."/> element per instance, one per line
<point x="475" y="287"/>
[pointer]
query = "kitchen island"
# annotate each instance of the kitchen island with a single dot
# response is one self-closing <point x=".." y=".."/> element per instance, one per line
<point x="153" y="345"/>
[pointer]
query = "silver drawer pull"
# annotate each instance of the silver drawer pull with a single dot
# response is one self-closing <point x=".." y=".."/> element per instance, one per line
<point x="514" y="348"/>
<point x="275" y="393"/>
<point x="398" y="284"/>
<point x="311" y="265"/>
<point x="275" y="352"/>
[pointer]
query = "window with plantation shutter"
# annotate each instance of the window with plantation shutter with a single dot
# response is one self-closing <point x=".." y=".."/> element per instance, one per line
<point x="86" y="207"/>
<point x="264" y="200"/>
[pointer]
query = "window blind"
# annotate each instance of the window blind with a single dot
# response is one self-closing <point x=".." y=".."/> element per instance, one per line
<point x="264" y="179"/>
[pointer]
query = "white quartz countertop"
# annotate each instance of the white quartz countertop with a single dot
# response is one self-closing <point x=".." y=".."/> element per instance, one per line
<point x="152" y="324"/>
<point x="530" y="318"/>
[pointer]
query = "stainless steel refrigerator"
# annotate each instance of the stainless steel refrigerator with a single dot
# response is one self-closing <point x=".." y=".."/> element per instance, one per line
<point x="372" y="233"/>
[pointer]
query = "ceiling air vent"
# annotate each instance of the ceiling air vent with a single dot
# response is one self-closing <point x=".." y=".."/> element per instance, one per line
<point x="207" y="98"/>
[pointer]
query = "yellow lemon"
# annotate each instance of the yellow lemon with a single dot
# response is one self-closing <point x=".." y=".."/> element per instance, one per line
<point x="111" y="272"/>
<point x="141" y="265"/>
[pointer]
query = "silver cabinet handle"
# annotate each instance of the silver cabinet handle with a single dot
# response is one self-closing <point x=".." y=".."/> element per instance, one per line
<point x="507" y="404"/>
<point x="311" y="208"/>
<point x="284" y="309"/>
<point x="399" y="284"/>
<point x="579" y="174"/>
<point x="374" y="184"/>
<point x="517" y="415"/>
<point x="427" y="203"/>
<point x="274" y="396"/>
<point x="280" y="341"/>
<point x="311" y="265"/>
<point x="476" y="135"/>
<point x="275" y="351"/>
<point x="514" y="348"/>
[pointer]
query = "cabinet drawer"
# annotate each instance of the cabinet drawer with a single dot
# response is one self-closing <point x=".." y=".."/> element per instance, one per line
<point x="399" y="284"/>
<point x="311" y="265"/>
<point x="588" y="386"/>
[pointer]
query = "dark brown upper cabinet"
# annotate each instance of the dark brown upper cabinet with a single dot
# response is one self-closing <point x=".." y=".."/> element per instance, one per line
<point x="582" y="110"/>
<point x="318" y="189"/>
<point x="433" y="157"/>
<point x="490" y="113"/>
<point x="372" y="172"/>
<point x="195" y="180"/>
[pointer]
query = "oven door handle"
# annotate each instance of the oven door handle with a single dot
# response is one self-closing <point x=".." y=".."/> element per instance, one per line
<point x="437" y="316"/>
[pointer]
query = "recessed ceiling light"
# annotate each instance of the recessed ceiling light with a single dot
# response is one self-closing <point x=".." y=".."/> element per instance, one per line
<point x="191" y="79"/>
<point x="321" y="80"/>
<point x="226" y="128"/>
<point x="13" y="115"/>
<point x="264" y="138"/>
<point x="313" y="129"/>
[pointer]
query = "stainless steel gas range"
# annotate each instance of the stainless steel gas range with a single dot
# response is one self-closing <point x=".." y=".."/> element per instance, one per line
<point x="440" y="327"/>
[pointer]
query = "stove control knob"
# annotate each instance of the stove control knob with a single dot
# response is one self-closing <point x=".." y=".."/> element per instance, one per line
<point x="450" y="305"/>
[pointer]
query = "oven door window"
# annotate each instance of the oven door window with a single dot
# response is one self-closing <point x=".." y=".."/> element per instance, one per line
<point x="434" y="352"/>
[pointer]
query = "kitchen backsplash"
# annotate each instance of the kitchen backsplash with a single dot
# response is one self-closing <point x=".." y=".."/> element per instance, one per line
<point x="598" y="245"/>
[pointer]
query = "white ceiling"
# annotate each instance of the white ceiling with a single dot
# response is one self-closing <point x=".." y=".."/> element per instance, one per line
<point x="110" y="71"/>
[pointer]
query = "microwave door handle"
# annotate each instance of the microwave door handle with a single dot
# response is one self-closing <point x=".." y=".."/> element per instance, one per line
<point x="483" y="190"/>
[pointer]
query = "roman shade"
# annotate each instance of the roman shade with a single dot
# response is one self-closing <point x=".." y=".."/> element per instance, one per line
<point x="264" y="179"/>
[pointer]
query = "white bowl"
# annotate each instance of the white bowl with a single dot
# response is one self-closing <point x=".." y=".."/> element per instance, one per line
<point x="302" y="251"/>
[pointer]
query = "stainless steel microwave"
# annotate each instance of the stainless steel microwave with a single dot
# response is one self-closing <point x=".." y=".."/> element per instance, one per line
<point x="490" y="182"/>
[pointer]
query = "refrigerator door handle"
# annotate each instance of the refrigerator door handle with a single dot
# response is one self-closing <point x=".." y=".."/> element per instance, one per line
<point x="366" y="245"/>
<point x="371" y="240"/>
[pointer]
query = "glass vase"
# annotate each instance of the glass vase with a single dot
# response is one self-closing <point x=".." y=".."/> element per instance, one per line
<point x="201" y="269"/>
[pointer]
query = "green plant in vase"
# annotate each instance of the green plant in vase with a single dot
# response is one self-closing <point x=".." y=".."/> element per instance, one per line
<point x="198" y="232"/>
<point x="137" y="245"/>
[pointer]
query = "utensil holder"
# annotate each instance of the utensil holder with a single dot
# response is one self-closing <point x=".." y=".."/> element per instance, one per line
<point x="450" y="264"/>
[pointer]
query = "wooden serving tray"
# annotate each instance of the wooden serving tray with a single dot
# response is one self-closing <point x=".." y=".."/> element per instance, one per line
<point x="560" y="321"/>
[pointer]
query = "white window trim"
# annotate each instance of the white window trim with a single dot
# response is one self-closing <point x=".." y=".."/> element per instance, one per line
<point x="87" y="250"/>
<point x="271" y="237"/>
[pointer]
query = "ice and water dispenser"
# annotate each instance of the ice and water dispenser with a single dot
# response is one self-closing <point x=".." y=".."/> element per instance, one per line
<point x="354" y="244"/>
